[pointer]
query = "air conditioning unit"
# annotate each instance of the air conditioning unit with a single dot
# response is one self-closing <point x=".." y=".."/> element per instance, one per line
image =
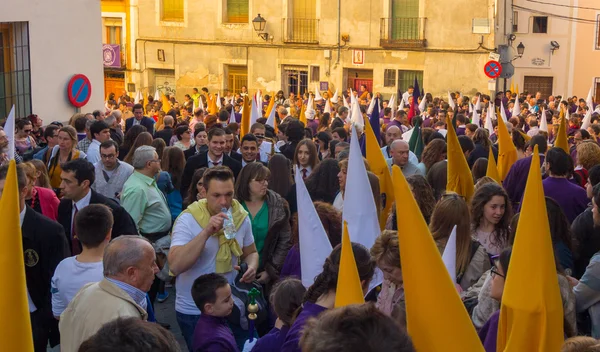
<point x="481" y="26"/>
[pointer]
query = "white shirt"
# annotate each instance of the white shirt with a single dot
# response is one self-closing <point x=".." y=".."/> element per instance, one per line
<point x="265" y="151"/>
<point x="211" y="163"/>
<point x="299" y="169"/>
<point x="93" y="152"/>
<point x="184" y="230"/>
<point x="69" y="277"/>
<point x="32" y="307"/>
<point x="80" y="204"/>
<point x="405" y="97"/>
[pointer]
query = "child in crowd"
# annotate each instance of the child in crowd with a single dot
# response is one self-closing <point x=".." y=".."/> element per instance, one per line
<point x="212" y="295"/>
<point x="74" y="272"/>
<point x="286" y="298"/>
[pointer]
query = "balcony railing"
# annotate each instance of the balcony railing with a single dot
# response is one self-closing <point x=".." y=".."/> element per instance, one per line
<point x="300" y="30"/>
<point x="403" y="32"/>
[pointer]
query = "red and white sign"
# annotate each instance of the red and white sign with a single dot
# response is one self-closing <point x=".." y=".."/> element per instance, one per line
<point x="358" y="57"/>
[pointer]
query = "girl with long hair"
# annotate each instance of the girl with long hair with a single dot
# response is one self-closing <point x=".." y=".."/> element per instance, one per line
<point x="143" y="138"/>
<point x="320" y="296"/>
<point x="305" y="157"/>
<point x="471" y="258"/>
<point x="491" y="214"/>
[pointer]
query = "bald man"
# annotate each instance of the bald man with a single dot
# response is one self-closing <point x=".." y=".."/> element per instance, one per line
<point x="391" y="134"/>
<point x="400" y="157"/>
<point x="167" y="132"/>
<point x="129" y="268"/>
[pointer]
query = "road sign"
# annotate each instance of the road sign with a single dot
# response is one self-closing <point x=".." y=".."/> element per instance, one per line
<point x="79" y="90"/>
<point x="492" y="69"/>
<point x="494" y="56"/>
<point x="508" y="70"/>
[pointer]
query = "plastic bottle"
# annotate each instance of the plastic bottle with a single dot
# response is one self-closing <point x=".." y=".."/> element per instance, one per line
<point x="228" y="225"/>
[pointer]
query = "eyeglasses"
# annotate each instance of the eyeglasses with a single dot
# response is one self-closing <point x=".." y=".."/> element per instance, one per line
<point x="154" y="161"/>
<point x="107" y="156"/>
<point x="259" y="136"/>
<point x="495" y="272"/>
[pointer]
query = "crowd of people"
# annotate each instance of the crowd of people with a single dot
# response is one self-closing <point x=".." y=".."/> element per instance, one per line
<point x="119" y="204"/>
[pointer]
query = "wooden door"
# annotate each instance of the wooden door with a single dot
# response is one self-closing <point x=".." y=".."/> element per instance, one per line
<point x="533" y="84"/>
<point x="113" y="85"/>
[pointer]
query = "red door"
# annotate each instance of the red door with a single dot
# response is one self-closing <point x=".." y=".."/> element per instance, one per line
<point x="358" y="82"/>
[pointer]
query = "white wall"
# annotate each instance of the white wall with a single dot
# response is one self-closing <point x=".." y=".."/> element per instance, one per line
<point x="65" y="38"/>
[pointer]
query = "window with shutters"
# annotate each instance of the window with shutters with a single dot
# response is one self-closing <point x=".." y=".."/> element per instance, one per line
<point x="237" y="11"/>
<point x="389" y="78"/>
<point x="315" y="73"/>
<point x="598" y="33"/>
<point x="515" y="21"/>
<point x="407" y="78"/>
<point x="172" y="10"/>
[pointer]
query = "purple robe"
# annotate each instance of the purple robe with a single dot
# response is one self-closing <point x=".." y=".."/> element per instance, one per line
<point x="516" y="179"/>
<point x="238" y="117"/>
<point x="313" y="125"/>
<point x="212" y="334"/>
<point x="395" y="123"/>
<point x="571" y="198"/>
<point x="460" y="131"/>
<point x="292" y="340"/>
<point x="489" y="332"/>
<point x="272" y="341"/>
<point x="427" y="122"/>
<point x="291" y="265"/>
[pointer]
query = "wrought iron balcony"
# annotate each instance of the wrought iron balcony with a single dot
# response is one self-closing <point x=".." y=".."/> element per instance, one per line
<point x="300" y="30"/>
<point x="402" y="32"/>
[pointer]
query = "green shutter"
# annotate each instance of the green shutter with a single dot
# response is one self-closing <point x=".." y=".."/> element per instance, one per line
<point x="237" y="11"/>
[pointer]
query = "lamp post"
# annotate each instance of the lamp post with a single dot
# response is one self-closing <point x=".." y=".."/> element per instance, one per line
<point x="507" y="64"/>
<point x="259" y="24"/>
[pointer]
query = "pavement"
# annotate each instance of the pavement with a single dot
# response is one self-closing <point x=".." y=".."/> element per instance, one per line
<point x="165" y="313"/>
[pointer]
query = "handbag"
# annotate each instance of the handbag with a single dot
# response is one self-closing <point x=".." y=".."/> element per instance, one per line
<point x="239" y="294"/>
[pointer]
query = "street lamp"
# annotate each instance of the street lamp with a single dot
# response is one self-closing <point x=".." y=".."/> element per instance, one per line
<point x="259" y="24"/>
<point x="520" y="50"/>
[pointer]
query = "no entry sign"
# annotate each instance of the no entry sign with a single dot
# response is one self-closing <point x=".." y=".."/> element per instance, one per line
<point x="492" y="69"/>
<point x="79" y="90"/>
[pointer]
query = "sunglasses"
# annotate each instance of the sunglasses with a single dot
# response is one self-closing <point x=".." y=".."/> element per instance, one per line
<point x="495" y="272"/>
<point x="27" y="131"/>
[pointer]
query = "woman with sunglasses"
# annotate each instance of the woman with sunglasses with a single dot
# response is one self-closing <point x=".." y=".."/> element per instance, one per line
<point x="270" y="217"/>
<point x="61" y="153"/>
<point x="24" y="141"/>
<point x="184" y="138"/>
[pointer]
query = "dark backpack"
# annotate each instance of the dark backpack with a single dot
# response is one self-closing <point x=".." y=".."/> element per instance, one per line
<point x="239" y="294"/>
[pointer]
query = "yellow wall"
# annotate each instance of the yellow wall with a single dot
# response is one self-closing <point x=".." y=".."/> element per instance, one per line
<point x="198" y="48"/>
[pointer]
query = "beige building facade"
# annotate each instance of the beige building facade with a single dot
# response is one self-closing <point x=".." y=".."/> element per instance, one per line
<point x="305" y="44"/>
<point x="586" y="65"/>
<point x="562" y="45"/>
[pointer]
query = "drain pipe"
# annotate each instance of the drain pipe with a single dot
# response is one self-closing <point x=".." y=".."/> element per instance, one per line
<point x="339" y="19"/>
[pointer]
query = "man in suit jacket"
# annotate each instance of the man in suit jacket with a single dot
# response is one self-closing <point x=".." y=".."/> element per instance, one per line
<point x="229" y="141"/>
<point x="215" y="156"/>
<point x="139" y="119"/>
<point x="44" y="246"/>
<point x="250" y="151"/>
<point x="166" y="133"/>
<point x="77" y="177"/>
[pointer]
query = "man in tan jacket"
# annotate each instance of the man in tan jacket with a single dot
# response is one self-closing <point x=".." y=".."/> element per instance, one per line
<point x="129" y="269"/>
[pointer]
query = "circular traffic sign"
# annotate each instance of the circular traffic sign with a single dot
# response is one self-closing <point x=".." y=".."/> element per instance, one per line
<point x="79" y="90"/>
<point x="492" y="69"/>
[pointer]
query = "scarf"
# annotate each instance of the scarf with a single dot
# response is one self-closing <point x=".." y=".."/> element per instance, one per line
<point x="227" y="248"/>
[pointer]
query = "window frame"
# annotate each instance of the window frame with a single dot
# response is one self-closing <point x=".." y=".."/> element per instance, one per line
<point x="390" y="82"/>
<point x="226" y="14"/>
<point x="533" y="24"/>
